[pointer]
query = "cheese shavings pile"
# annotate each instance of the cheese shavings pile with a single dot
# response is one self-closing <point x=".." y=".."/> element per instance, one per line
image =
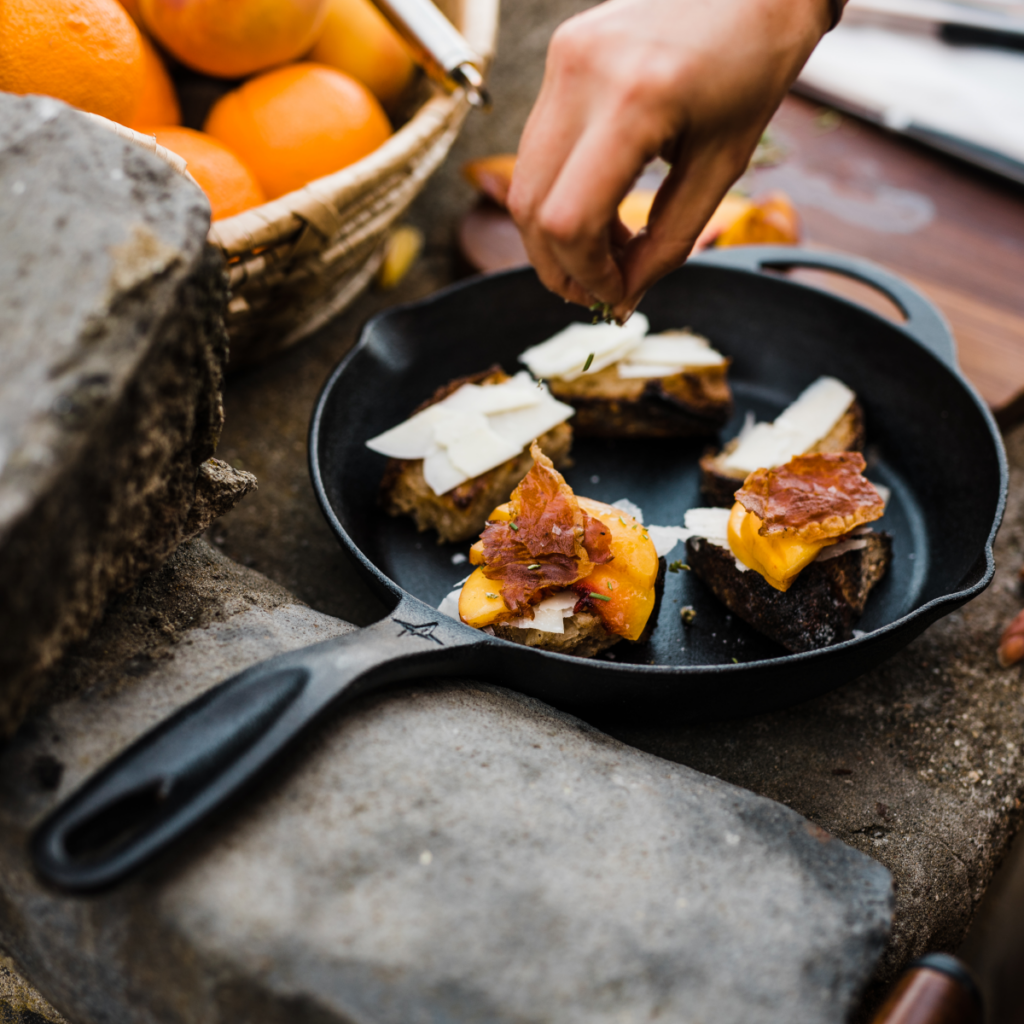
<point x="582" y="349"/>
<point x="797" y="429"/>
<point x="473" y="430"/>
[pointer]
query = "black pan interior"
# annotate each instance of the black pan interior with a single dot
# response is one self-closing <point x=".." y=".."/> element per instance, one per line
<point x="929" y="440"/>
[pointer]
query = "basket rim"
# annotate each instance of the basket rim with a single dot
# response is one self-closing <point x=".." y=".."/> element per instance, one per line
<point x="318" y="201"/>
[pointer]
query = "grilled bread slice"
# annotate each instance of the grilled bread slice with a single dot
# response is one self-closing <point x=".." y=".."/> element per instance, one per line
<point x="462" y="512"/>
<point x="694" y="403"/>
<point x="821" y="606"/>
<point x="584" y="636"/>
<point x="719" y="483"/>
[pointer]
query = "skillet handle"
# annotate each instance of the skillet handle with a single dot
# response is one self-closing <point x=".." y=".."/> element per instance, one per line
<point x="178" y="773"/>
<point x="924" y="323"/>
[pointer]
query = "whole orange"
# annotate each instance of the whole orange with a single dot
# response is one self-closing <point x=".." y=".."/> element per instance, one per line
<point x="158" y="103"/>
<point x="232" y="38"/>
<point x="229" y="185"/>
<point x="357" y="39"/>
<point x="298" y="123"/>
<point x="132" y="7"/>
<point x="85" y="52"/>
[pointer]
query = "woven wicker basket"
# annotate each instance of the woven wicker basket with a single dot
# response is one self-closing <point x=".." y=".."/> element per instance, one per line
<point x="297" y="261"/>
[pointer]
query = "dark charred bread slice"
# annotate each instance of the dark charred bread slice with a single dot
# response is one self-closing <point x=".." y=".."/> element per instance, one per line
<point x="694" y="403"/>
<point x="818" y="610"/>
<point x="460" y="514"/>
<point x="718" y="484"/>
<point x="585" y="634"/>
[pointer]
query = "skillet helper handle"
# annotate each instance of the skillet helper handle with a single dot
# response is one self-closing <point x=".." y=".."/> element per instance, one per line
<point x="438" y="47"/>
<point x="175" y="775"/>
<point x="924" y="323"/>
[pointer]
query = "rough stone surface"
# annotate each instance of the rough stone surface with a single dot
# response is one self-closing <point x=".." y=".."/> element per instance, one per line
<point x="20" y="1003"/>
<point x="219" y="487"/>
<point x="453" y="852"/>
<point x="111" y="348"/>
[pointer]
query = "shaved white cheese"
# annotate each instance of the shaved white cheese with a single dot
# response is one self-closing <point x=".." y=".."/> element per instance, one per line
<point x="885" y="493"/>
<point x="472" y="446"/>
<point x="713" y="525"/>
<point x="450" y="604"/>
<point x="521" y="426"/>
<point x="797" y="429"/>
<point x="413" y="439"/>
<point x="549" y="616"/>
<point x="629" y="507"/>
<point x="473" y="430"/>
<point x="835" y="550"/>
<point x="565" y="354"/>
<point x="630" y="371"/>
<point x="517" y="393"/>
<point x="441" y="474"/>
<point x="665" y="538"/>
<point x="710" y="523"/>
<point x="663" y="355"/>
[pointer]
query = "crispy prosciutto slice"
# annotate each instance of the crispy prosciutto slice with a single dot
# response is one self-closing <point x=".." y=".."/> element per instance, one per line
<point x="812" y="497"/>
<point x="548" y="542"/>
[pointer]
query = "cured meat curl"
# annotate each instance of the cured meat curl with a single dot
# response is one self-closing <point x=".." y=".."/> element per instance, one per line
<point x="549" y="541"/>
<point x="814" y="497"/>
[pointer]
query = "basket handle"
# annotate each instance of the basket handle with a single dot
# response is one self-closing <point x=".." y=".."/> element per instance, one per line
<point x="924" y="323"/>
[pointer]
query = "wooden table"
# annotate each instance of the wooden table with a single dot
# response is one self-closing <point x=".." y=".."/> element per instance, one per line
<point x="954" y="231"/>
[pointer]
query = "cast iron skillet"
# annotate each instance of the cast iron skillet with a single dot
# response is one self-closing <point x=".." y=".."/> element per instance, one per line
<point x="931" y="440"/>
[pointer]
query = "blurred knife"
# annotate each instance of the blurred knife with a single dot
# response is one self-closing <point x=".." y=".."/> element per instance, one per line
<point x="951" y="22"/>
<point x="439" y="47"/>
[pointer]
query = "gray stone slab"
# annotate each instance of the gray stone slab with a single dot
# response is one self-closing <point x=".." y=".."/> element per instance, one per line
<point x="111" y="352"/>
<point x="453" y="852"/>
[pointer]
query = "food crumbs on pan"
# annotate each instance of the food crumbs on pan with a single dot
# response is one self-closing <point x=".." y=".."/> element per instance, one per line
<point x="426" y="857"/>
<point x="458" y="558"/>
<point x="687" y="613"/>
<point x="595" y="479"/>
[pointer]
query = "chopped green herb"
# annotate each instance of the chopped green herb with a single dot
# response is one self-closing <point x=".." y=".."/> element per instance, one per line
<point x="687" y="613"/>
<point x="600" y="597"/>
<point x="735" y="661"/>
<point x="514" y="527"/>
<point x="611" y="584"/>
<point x="586" y="365"/>
<point x="623" y="521"/>
<point x="601" y="311"/>
<point x="493" y="597"/>
<point x="536" y="565"/>
<point x="676" y="566"/>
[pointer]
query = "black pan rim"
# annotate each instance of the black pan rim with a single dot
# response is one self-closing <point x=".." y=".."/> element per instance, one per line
<point x="929" y="611"/>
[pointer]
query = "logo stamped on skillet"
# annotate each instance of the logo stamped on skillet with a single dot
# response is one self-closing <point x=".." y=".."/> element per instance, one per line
<point x="425" y="630"/>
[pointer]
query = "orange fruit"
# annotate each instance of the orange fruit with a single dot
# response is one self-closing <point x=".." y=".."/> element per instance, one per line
<point x="158" y="103"/>
<point x="132" y="7"/>
<point x="358" y="40"/>
<point x="85" y="52"/>
<point x="233" y="38"/>
<point x="298" y="123"/>
<point x="229" y="185"/>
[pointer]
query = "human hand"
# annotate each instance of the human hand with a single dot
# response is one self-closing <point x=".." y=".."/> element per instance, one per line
<point x="695" y="81"/>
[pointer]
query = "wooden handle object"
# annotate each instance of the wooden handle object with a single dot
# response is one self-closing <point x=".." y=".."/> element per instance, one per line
<point x="937" y="989"/>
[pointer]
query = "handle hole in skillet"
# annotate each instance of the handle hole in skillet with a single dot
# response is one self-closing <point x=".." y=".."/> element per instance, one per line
<point x="845" y="287"/>
<point x="115" y="825"/>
